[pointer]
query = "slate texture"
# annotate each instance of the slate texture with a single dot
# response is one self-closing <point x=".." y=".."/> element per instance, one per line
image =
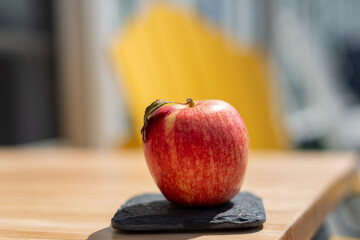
<point x="152" y="212"/>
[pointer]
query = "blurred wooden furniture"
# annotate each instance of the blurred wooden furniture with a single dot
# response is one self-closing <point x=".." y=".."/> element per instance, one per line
<point x="73" y="194"/>
<point x="173" y="55"/>
<point x="343" y="238"/>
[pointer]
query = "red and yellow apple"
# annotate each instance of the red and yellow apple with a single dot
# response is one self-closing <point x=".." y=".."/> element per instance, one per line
<point x="196" y="152"/>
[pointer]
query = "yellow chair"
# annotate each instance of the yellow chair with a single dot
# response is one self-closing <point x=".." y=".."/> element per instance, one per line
<point x="173" y="55"/>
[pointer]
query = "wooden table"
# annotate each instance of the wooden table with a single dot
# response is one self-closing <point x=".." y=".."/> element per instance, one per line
<point x="73" y="194"/>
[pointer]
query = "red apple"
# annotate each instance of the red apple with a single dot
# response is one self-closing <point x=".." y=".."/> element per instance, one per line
<point x="196" y="152"/>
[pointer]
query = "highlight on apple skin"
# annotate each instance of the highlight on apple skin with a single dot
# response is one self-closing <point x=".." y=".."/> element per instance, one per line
<point x="196" y="152"/>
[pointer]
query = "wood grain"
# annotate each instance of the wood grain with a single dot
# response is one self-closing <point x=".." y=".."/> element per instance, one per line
<point x="73" y="193"/>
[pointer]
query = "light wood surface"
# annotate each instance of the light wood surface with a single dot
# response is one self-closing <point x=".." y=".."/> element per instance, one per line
<point x="342" y="238"/>
<point x="73" y="194"/>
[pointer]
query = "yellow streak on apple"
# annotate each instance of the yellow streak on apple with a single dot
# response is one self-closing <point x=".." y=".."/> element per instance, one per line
<point x="212" y="163"/>
<point x="169" y="133"/>
<point x="169" y="125"/>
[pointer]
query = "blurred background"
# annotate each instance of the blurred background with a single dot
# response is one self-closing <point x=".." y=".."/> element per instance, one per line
<point x="67" y="68"/>
<point x="80" y="73"/>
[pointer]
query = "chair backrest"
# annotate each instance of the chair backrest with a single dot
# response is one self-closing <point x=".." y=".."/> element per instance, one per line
<point x="173" y="55"/>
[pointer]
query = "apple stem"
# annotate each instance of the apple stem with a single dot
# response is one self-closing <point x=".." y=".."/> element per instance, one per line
<point x="190" y="101"/>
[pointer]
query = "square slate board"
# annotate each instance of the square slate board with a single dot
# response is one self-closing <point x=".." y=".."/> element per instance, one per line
<point x="152" y="212"/>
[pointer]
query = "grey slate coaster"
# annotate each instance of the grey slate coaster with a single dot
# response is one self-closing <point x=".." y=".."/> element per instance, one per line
<point x="152" y="212"/>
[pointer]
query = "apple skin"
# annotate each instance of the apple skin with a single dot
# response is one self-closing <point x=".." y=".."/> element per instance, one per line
<point x="197" y="155"/>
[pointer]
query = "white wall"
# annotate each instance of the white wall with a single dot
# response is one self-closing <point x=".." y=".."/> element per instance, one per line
<point x="91" y="102"/>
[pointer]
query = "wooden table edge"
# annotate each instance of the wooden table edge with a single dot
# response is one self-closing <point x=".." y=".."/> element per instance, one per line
<point x="303" y="226"/>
